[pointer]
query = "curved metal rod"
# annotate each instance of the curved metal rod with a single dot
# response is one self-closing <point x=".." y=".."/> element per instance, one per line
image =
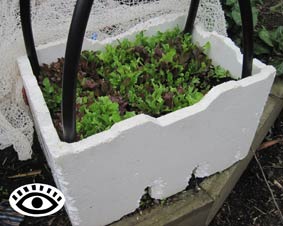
<point x="191" y="16"/>
<point x="72" y="56"/>
<point x="248" y="29"/>
<point x="74" y="46"/>
<point x="28" y="36"/>
<point x="247" y="24"/>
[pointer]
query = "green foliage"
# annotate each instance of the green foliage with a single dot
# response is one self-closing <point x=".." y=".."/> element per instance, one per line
<point x="150" y="72"/>
<point x="99" y="116"/>
<point x="152" y="75"/>
<point x="89" y="56"/>
<point x="220" y="72"/>
<point x="52" y="94"/>
<point x="268" y="42"/>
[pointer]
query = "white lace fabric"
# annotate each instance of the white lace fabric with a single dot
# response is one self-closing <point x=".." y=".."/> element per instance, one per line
<point x="51" y="21"/>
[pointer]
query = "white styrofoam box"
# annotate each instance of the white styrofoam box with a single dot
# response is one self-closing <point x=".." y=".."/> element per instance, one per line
<point x="104" y="176"/>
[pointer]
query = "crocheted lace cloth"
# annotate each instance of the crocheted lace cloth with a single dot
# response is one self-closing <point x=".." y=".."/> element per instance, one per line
<point x="51" y="21"/>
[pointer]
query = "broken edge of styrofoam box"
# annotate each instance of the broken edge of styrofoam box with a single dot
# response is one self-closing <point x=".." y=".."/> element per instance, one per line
<point x="104" y="176"/>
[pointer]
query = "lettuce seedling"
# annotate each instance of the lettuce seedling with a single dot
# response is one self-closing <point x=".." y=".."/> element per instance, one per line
<point x="152" y="75"/>
<point x="100" y="116"/>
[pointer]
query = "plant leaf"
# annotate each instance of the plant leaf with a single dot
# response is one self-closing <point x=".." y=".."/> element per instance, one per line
<point x="265" y="36"/>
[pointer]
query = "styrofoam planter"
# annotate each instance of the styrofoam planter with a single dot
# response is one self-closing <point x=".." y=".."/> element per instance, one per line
<point x="104" y="176"/>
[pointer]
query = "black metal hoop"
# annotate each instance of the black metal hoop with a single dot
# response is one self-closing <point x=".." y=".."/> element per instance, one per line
<point x="72" y="56"/>
<point x="28" y="36"/>
<point x="247" y="24"/>
<point x="191" y="16"/>
<point x="248" y="30"/>
<point x="74" y="46"/>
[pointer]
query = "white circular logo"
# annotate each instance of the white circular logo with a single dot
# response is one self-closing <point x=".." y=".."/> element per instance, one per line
<point x="37" y="200"/>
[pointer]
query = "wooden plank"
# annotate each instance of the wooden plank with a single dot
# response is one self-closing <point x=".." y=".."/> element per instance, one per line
<point x="189" y="208"/>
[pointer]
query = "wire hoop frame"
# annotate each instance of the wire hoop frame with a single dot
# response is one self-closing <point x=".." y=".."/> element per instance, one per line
<point x="74" y="46"/>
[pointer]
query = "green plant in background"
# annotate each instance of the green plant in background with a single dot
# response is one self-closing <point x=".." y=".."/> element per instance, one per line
<point x="152" y="75"/>
<point x="268" y="42"/>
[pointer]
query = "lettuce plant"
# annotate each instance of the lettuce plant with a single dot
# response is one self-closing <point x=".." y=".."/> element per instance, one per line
<point x="152" y="75"/>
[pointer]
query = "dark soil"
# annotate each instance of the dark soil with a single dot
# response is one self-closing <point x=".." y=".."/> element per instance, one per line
<point x="10" y="166"/>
